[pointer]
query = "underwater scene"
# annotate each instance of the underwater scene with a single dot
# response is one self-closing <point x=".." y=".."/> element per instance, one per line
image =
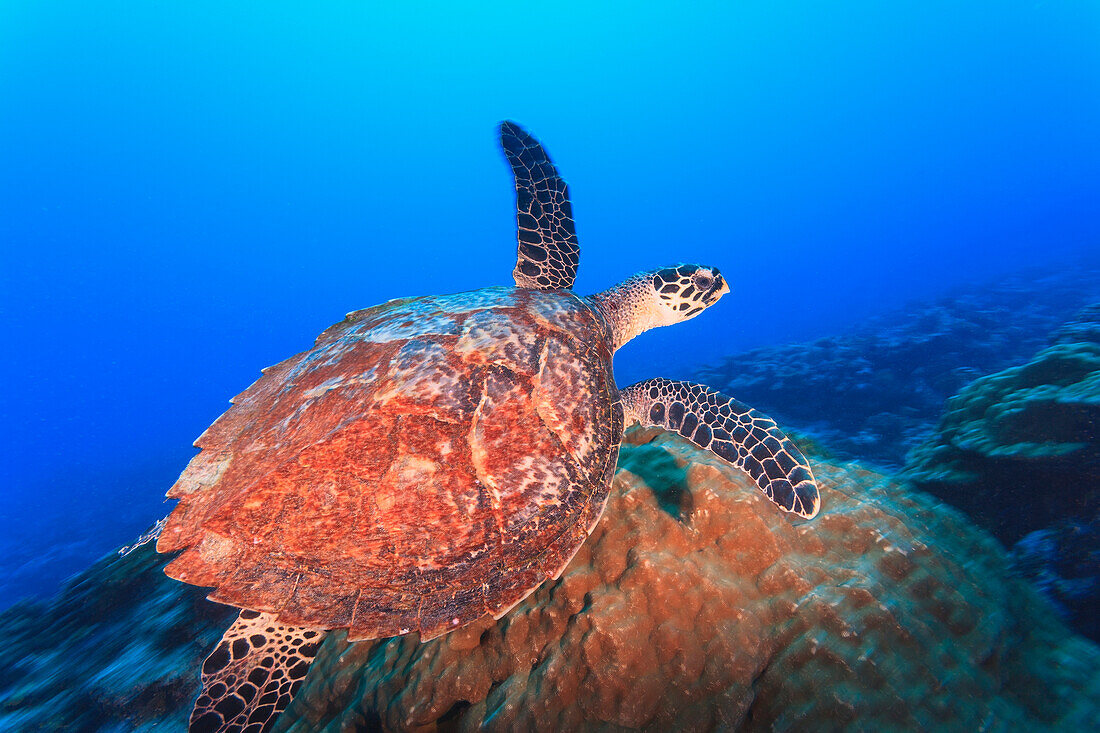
<point x="573" y="367"/>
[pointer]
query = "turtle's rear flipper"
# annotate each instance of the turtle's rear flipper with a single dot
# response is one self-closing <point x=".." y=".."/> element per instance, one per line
<point x="733" y="431"/>
<point x="253" y="673"/>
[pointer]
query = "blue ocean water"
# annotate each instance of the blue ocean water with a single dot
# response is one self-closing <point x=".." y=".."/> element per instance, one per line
<point x="189" y="193"/>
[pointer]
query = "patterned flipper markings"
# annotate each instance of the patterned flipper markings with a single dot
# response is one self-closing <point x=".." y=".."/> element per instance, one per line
<point x="252" y="675"/>
<point x="736" y="433"/>
<point x="547" y="254"/>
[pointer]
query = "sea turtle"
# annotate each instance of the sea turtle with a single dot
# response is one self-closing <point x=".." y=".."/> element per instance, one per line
<point x="433" y="460"/>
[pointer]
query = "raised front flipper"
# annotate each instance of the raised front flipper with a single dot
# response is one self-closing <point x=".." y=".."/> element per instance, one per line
<point x="735" y="432"/>
<point x="547" y="254"/>
<point x="252" y="675"/>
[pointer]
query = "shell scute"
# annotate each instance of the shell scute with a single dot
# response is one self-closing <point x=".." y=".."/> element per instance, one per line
<point x="559" y="311"/>
<point x="385" y="610"/>
<point x="569" y="398"/>
<point x="411" y="327"/>
<point x="533" y="484"/>
<point x="319" y="595"/>
<point x="497" y="338"/>
<point x="282" y="416"/>
<point x="517" y="579"/>
<point x="447" y="608"/>
<point x="426" y="377"/>
<point x="560" y="551"/>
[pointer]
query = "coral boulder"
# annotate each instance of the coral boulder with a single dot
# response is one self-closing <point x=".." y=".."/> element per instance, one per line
<point x="1020" y="449"/>
<point x="695" y="606"/>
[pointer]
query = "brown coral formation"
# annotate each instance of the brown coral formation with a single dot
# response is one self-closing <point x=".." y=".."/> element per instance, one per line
<point x="696" y="606"/>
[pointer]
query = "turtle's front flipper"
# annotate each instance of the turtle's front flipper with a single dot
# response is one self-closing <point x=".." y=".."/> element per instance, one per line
<point x="740" y="435"/>
<point x="253" y="673"/>
<point x="547" y="253"/>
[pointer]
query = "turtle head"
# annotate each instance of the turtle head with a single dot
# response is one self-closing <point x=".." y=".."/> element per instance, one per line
<point x="658" y="298"/>
<point x="684" y="291"/>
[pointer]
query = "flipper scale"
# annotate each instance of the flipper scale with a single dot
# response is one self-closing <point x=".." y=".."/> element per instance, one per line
<point x="547" y="253"/>
<point x="738" y="434"/>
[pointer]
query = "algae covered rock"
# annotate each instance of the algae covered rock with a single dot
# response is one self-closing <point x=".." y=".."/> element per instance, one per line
<point x="694" y="605"/>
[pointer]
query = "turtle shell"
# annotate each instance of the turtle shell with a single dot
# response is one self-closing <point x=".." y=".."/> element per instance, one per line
<point x="429" y="461"/>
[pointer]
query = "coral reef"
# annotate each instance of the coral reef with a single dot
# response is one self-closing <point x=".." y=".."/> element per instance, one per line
<point x="1019" y="450"/>
<point x="118" y="648"/>
<point x="694" y="605"/>
<point x="876" y="392"/>
<point x="1083" y="328"/>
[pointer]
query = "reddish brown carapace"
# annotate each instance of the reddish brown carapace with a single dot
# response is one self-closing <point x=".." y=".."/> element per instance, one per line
<point x="428" y="462"/>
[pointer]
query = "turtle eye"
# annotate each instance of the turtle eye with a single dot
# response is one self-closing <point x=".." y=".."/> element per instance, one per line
<point x="703" y="282"/>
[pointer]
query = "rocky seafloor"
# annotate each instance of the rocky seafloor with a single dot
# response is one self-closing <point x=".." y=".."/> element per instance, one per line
<point x="695" y="605"/>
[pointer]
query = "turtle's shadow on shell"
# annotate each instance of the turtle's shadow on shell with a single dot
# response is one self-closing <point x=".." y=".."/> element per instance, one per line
<point x="661" y="472"/>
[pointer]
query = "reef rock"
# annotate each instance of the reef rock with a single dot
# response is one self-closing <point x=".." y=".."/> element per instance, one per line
<point x="1019" y="450"/>
<point x="693" y="606"/>
<point x="1083" y="328"/>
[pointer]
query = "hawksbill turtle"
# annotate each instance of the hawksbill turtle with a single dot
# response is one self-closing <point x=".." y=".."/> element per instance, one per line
<point x="433" y="460"/>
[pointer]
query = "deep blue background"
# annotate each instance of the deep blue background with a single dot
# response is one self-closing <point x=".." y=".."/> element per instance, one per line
<point x="190" y="193"/>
